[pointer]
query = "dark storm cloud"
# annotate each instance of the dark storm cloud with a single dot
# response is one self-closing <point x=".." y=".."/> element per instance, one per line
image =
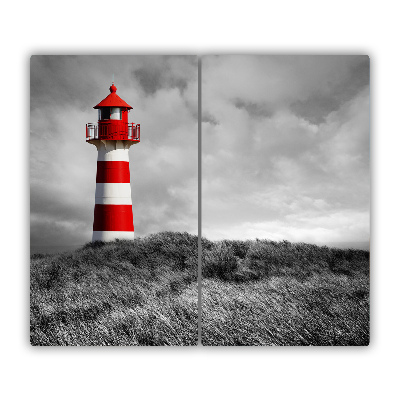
<point x="163" y="166"/>
<point x="289" y="158"/>
<point x="156" y="76"/>
<point x="253" y="109"/>
<point x="153" y="79"/>
<point x="209" y="118"/>
<point x="320" y="104"/>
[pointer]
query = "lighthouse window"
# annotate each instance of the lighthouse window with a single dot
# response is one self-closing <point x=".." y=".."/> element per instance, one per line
<point x="104" y="113"/>
<point x="110" y="113"/>
<point x="115" y="113"/>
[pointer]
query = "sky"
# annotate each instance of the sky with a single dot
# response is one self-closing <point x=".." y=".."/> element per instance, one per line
<point x="285" y="148"/>
<point x="163" y="91"/>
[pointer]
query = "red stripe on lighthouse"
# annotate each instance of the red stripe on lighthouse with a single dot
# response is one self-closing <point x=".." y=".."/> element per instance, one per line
<point x="113" y="217"/>
<point x="113" y="172"/>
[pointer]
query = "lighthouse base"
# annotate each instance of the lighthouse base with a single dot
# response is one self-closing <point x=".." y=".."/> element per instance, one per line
<point x="109" y="236"/>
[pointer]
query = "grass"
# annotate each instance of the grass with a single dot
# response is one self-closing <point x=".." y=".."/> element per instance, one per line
<point x="118" y="294"/>
<point x="283" y="294"/>
<point x="254" y="293"/>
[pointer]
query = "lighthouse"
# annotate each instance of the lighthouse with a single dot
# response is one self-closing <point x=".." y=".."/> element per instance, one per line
<point x="113" y="135"/>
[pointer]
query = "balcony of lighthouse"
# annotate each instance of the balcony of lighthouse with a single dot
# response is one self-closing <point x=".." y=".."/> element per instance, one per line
<point x="112" y="131"/>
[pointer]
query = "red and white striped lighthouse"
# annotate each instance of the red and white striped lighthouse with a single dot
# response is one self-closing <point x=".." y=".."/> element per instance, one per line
<point x="113" y="136"/>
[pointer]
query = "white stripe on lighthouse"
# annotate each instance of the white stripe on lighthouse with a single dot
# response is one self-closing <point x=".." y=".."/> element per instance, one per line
<point x="113" y="193"/>
<point x="113" y="155"/>
<point x="109" y="236"/>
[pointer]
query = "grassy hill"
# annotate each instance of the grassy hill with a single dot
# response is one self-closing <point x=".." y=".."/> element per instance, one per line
<point x="119" y="293"/>
<point x="253" y="293"/>
<point x="278" y="293"/>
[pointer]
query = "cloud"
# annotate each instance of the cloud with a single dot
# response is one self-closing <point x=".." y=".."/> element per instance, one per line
<point x="285" y="145"/>
<point x="154" y="76"/>
<point x="163" y="166"/>
<point x="276" y="164"/>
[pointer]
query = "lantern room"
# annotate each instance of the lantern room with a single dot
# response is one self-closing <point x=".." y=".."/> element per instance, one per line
<point x="113" y="120"/>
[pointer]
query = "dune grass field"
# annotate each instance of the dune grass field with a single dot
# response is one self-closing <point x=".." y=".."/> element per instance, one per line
<point x="253" y="293"/>
<point x="284" y="294"/>
<point x="118" y="294"/>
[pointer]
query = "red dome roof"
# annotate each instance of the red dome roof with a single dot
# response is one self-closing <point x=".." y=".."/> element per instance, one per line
<point x="113" y="100"/>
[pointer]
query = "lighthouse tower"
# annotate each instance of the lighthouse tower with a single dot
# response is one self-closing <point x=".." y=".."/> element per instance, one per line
<point x="113" y="136"/>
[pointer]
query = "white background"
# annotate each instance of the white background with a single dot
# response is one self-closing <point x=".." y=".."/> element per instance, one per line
<point x="182" y="27"/>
